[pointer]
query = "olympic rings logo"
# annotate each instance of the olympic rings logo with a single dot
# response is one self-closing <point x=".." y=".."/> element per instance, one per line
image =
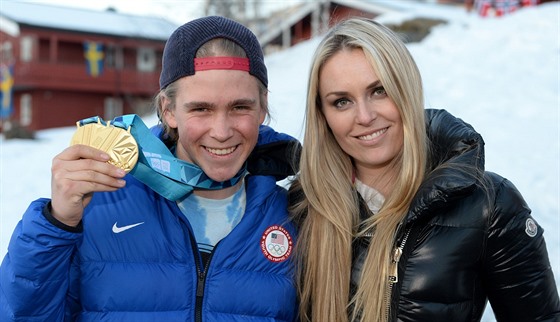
<point x="276" y="249"/>
<point x="276" y="243"/>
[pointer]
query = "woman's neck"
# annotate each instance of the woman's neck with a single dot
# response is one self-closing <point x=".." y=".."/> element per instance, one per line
<point x="383" y="182"/>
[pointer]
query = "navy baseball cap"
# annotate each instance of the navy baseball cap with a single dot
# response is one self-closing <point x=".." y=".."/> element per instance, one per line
<point x="180" y="49"/>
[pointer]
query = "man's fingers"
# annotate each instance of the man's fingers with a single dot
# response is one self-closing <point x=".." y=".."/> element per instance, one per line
<point x="80" y="151"/>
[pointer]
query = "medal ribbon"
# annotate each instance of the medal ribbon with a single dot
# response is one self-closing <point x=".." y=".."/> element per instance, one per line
<point x="158" y="168"/>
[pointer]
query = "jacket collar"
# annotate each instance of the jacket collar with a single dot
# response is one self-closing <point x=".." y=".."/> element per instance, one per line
<point x="457" y="163"/>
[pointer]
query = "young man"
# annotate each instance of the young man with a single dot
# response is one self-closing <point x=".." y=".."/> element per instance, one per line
<point x="198" y="231"/>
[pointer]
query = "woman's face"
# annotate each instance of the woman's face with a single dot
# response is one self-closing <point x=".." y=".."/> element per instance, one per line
<point x="217" y="116"/>
<point x="364" y="120"/>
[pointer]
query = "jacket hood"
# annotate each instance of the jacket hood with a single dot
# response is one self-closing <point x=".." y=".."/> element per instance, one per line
<point x="456" y="162"/>
<point x="276" y="154"/>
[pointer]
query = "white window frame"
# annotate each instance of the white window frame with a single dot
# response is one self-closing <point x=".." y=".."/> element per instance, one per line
<point x="112" y="107"/>
<point x="146" y="59"/>
<point x="26" y="109"/>
<point x="26" y="48"/>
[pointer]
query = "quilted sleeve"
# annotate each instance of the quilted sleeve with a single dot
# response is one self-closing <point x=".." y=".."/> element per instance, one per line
<point x="520" y="282"/>
<point x="34" y="274"/>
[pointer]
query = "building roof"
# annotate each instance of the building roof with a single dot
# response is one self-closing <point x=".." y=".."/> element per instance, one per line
<point x="109" y="22"/>
<point x="286" y="18"/>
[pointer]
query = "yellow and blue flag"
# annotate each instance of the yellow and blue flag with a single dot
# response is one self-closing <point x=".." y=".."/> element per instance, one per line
<point x="93" y="53"/>
<point x="6" y="90"/>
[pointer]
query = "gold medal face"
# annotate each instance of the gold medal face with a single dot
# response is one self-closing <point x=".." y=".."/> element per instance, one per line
<point x="115" y="141"/>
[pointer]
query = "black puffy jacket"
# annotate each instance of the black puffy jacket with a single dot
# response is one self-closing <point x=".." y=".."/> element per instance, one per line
<point x="462" y="248"/>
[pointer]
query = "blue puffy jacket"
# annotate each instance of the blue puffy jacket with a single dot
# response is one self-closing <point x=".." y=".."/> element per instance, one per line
<point x="153" y="271"/>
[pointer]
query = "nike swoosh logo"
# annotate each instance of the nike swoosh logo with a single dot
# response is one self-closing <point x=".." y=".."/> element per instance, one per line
<point x="117" y="230"/>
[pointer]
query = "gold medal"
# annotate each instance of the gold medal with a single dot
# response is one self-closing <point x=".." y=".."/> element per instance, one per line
<point x="115" y="141"/>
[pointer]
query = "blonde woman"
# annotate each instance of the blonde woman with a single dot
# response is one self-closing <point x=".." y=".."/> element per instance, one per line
<point x="398" y="219"/>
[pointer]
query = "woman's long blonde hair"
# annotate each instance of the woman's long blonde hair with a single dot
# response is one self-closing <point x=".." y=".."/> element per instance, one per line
<point x="329" y="213"/>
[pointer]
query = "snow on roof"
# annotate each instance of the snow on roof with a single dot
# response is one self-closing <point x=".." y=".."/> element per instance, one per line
<point x="288" y="17"/>
<point x="83" y="20"/>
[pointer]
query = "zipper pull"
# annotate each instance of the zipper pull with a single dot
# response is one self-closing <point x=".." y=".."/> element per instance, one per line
<point x="200" y="285"/>
<point x="393" y="274"/>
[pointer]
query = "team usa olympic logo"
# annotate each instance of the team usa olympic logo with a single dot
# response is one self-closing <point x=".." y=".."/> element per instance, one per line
<point x="276" y="244"/>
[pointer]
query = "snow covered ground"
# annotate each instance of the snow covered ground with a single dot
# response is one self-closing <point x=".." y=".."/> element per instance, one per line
<point x="502" y="75"/>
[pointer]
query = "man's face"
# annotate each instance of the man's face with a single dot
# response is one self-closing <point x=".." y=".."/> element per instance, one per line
<point x="217" y="117"/>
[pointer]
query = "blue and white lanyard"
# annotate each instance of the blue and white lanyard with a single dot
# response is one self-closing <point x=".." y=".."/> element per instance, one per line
<point x="158" y="168"/>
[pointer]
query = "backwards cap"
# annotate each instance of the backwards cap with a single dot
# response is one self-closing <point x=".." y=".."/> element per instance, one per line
<point x="179" y="54"/>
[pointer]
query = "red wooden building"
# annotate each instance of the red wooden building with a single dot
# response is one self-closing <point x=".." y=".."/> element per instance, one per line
<point x="313" y="18"/>
<point x="68" y="64"/>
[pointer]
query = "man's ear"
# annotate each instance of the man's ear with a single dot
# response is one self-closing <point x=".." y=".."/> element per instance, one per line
<point x="263" y="113"/>
<point x="168" y="115"/>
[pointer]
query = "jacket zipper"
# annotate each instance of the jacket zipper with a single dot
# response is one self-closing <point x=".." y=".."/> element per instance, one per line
<point x="201" y="278"/>
<point x="394" y="272"/>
